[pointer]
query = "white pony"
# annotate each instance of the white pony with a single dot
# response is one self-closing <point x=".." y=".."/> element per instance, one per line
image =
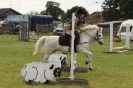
<point x="51" y="44"/>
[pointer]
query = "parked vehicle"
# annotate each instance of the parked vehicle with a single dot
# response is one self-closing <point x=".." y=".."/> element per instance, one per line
<point x="122" y="30"/>
<point x="58" y="31"/>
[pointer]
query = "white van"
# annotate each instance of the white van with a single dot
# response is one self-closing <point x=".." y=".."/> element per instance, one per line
<point x="58" y="30"/>
<point x="122" y="30"/>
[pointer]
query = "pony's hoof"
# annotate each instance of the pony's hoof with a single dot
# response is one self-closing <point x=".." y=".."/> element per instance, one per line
<point x="90" y="69"/>
<point x="86" y="62"/>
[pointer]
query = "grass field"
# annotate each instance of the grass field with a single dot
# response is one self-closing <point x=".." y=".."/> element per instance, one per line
<point x="109" y="70"/>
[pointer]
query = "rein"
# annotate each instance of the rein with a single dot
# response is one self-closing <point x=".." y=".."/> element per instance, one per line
<point x="95" y="38"/>
<point x="83" y="42"/>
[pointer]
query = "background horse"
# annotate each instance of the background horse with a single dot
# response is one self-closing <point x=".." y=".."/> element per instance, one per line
<point x="51" y="44"/>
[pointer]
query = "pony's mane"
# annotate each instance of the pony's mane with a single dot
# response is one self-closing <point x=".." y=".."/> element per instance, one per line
<point x="90" y="27"/>
<point x="85" y="27"/>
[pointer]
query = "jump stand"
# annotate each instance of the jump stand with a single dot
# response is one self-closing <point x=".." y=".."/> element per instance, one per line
<point x="33" y="36"/>
<point x="122" y="48"/>
<point x="72" y="80"/>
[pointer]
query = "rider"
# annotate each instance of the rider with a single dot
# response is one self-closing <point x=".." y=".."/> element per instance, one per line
<point x="80" y="18"/>
<point x="79" y="22"/>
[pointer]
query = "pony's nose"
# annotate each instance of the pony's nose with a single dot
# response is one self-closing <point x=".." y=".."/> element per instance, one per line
<point x="100" y="42"/>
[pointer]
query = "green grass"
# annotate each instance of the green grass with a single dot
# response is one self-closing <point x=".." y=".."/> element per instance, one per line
<point x="109" y="70"/>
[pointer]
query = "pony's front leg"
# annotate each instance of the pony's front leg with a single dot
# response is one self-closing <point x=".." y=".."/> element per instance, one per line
<point x="89" y="62"/>
<point x="88" y="55"/>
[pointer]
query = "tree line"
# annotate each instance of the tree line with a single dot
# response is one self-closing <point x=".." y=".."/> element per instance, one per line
<point x="112" y="10"/>
<point x="53" y="9"/>
<point x="118" y="9"/>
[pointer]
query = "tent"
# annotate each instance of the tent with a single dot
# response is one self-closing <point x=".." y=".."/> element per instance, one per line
<point x="41" y="20"/>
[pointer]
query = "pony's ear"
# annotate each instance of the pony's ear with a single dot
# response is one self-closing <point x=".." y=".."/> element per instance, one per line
<point x="51" y="67"/>
<point x="101" y="28"/>
<point x="83" y="29"/>
<point x="65" y="58"/>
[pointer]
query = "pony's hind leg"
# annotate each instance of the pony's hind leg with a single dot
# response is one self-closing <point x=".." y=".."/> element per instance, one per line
<point x="45" y="58"/>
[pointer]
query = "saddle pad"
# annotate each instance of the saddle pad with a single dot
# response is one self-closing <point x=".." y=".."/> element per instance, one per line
<point x="64" y="40"/>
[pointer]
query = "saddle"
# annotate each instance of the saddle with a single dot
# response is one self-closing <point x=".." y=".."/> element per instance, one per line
<point x="65" y="40"/>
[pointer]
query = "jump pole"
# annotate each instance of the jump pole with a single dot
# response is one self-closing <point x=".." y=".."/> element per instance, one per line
<point x="72" y="80"/>
<point x="72" y="48"/>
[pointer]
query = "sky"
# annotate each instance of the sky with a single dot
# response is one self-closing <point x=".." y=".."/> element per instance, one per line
<point x="26" y="6"/>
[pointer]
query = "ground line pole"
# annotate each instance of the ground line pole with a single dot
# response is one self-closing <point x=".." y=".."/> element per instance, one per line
<point x="72" y="48"/>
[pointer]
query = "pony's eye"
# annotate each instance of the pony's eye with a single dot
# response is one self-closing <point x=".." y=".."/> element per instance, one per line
<point x="100" y="35"/>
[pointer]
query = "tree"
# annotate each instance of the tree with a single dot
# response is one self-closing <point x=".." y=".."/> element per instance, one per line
<point x="64" y="18"/>
<point x="43" y="12"/>
<point x="126" y="8"/>
<point x="34" y="13"/>
<point x="52" y="8"/>
<point x="51" y="4"/>
<point x="118" y="9"/>
<point x="111" y="10"/>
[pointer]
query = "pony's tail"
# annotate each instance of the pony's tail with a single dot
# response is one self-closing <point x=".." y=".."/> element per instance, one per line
<point x="39" y="45"/>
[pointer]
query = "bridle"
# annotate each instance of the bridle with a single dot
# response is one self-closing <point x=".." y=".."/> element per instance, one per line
<point x="97" y="36"/>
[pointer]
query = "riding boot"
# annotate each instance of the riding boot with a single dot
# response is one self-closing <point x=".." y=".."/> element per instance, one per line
<point x="76" y="41"/>
<point x="75" y="49"/>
